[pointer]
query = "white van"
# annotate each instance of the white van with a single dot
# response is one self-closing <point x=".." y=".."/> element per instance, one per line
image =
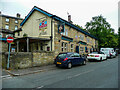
<point x="109" y="51"/>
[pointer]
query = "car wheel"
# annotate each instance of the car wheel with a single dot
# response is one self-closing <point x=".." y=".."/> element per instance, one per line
<point x="69" y="65"/>
<point x="84" y="62"/>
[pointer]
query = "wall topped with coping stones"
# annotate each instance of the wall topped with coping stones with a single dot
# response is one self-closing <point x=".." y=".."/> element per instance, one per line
<point x="43" y="58"/>
<point x="22" y="60"/>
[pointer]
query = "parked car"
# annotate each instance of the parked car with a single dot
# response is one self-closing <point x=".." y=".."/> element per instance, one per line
<point x="69" y="59"/>
<point x="109" y="51"/>
<point x="97" y="56"/>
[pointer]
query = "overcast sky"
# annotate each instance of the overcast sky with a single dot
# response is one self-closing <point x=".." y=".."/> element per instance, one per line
<point x="81" y="11"/>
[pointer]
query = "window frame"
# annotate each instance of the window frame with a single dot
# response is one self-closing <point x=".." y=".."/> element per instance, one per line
<point x="7" y="20"/>
<point x="16" y="21"/>
<point x="15" y="27"/>
<point x="6" y="26"/>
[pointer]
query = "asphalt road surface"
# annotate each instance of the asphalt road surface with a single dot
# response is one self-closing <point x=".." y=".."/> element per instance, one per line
<point x="93" y="75"/>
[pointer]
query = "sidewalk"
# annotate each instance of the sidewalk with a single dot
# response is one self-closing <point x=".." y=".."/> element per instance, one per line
<point x="32" y="70"/>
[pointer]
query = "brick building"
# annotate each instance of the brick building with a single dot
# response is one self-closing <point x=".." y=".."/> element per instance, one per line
<point x="43" y="31"/>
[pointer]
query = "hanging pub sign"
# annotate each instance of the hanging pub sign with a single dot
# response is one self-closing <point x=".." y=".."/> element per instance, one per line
<point x="61" y="27"/>
<point x="43" y="24"/>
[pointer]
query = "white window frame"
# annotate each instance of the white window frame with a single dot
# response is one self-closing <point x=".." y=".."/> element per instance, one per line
<point x="62" y="46"/>
<point x="16" y="21"/>
<point x="16" y="28"/>
<point x="7" y="20"/>
<point x="66" y="32"/>
<point x="82" y="49"/>
<point x="65" y="46"/>
<point x="6" y="26"/>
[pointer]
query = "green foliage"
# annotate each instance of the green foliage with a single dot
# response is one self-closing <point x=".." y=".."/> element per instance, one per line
<point x="79" y="27"/>
<point x="101" y="29"/>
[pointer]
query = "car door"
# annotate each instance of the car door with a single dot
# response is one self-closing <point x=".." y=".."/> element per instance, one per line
<point x="72" y="58"/>
<point x="78" y="59"/>
<point x="104" y="56"/>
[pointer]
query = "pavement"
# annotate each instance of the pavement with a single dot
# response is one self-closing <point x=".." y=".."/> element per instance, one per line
<point x="32" y="70"/>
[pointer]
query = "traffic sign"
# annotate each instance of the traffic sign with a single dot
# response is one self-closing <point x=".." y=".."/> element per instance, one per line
<point x="10" y="39"/>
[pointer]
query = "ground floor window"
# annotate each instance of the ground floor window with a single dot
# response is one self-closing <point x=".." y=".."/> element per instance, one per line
<point x="62" y="47"/>
<point x="48" y="48"/>
<point x="82" y="49"/>
<point x="65" y="46"/>
<point x="71" y="48"/>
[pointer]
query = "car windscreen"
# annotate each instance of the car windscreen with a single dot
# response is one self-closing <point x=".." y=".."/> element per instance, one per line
<point x="62" y="55"/>
<point x="106" y="52"/>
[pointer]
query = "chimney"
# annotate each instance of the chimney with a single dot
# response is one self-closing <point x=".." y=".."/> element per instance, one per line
<point x="69" y="18"/>
<point x="18" y="15"/>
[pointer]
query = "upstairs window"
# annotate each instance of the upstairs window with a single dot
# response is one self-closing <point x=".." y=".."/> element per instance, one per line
<point x="7" y="19"/>
<point x="16" y="21"/>
<point x="16" y="27"/>
<point x="6" y="26"/>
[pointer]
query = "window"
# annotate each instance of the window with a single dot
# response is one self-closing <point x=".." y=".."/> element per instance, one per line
<point x="16" y="21"/>
<point x="71" y="47"/>
<point x="36" y="45"/>
<point x="16" y="27"/>
<point x="65" y="46"/>
<point x="62" y="47"/>
<point x="88" y="40"/>
<point x="48" y="48"/>
<point x="62" y="55"/>
<point x="6" y="26"/>
<point x="7" y="19"/>
<point x="81" y="49"/>
<point x="66" y="33"/>
<point x="18" y="33"/>
<point x="81" y="37"/>
<point x="76" y="55"/>
<point x="41" y="47"/>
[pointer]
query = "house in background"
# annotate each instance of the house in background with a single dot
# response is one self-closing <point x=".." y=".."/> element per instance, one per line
<point x="43" y="31"/>
<point x="8" y="27"/>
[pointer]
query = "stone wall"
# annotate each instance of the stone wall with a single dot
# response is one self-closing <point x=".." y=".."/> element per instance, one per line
<point x="4" y="46"/>
<point x="22" y="60"/>
<point x="17" y="60"/>
<point x="43" y="58"/>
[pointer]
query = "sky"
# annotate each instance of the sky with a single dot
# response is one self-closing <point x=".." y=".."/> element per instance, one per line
<point x="81" y="11"/>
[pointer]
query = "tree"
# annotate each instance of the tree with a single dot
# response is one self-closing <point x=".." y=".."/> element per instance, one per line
<point x="102" y="30"/>
<point x="79" y="26"/>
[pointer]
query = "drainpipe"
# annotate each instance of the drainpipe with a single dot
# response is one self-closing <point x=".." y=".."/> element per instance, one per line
<point x="51" y="34"/>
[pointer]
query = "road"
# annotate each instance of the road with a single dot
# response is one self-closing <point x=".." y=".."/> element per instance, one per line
<point x="93" y="75"/>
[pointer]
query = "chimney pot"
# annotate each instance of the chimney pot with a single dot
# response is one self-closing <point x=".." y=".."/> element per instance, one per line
<point x="18" y="15"/>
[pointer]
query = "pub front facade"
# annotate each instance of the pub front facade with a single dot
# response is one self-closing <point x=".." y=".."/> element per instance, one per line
<point x="43" y="31"/>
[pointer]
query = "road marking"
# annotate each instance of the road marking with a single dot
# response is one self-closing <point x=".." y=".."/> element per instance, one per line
<point x="5" y="76"/>
<point x="69" y="77"/>
<point x="38" y="88"/>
